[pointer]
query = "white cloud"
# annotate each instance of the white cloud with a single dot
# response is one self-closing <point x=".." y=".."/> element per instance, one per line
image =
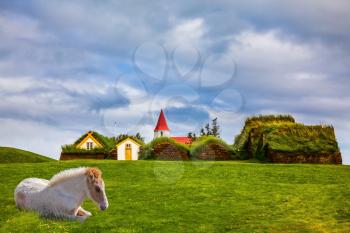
<point x="268" y="51"/>
<point x="35" y="137"/>
<point x="188" y="32"/>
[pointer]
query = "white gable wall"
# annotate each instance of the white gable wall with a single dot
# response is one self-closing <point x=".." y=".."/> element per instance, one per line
<point x="84" y="145"/>
<point x="135" y="149"/>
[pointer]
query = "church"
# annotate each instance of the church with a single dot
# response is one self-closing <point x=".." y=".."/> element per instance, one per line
<point x="162" y="130"/>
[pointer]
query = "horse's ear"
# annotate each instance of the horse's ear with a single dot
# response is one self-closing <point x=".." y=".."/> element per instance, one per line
<point x="93" y="173"/>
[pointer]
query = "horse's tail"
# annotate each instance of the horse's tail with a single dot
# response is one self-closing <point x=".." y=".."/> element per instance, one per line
<point x="20" y="200"/>
<point x="20" y="197"/>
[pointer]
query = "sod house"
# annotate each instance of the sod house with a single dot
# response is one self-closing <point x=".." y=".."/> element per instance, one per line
<point x="280" y="139"/>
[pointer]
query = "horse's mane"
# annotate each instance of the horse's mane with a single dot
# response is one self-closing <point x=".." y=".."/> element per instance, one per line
<point x="66" y="174"/>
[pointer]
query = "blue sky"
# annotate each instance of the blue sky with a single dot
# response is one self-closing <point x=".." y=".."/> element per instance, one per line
<point x="70" y="66"/>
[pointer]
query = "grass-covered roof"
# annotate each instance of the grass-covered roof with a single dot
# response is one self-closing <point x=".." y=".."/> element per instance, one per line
<point x="200" y="144"/>
<point x="258" y="121"/>
<point x="301" y="138"/>
<point x="122" y="137"/>
<point x="106" y="142"/>
<point x="283" y="134"/>
<point x="148" y="150"/>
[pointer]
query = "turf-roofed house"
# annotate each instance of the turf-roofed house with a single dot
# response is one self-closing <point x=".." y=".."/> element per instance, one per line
<point x="93" y="145"/>
<point x="280" y="139"/>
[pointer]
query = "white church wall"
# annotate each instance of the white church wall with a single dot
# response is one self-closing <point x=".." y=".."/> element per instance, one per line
<point x="157" y="134"/>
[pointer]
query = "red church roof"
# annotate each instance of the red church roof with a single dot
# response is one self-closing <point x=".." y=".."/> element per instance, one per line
<point x="184" y="140"/>
<point x="161" y="124"/>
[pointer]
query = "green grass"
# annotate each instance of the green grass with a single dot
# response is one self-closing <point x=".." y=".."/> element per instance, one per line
<point x="164" y="196"/>
<point x="14" y="155"/>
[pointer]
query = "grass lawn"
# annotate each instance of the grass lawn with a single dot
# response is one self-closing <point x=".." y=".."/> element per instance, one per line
<point x="162" y="196"/>
<point x="14" y="155"/>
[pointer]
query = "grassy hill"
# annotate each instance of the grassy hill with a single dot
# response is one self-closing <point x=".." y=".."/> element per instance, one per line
<point x="13" y="155"/>
<point x="169" y="196"/>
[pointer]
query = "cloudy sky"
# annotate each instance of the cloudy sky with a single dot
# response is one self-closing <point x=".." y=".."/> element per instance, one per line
<point x="70" y="66"/>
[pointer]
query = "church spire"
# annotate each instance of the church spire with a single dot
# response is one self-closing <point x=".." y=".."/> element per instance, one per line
<point x="161" y="129"/>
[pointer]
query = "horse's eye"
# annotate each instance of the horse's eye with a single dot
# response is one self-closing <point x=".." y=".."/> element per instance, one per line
<point x="97" y="189"/>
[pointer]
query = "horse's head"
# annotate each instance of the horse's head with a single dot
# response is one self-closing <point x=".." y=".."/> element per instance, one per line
<point x="96" y="187"/>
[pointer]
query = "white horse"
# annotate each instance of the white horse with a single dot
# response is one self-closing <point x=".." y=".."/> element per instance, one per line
<point x="62" y="196"/>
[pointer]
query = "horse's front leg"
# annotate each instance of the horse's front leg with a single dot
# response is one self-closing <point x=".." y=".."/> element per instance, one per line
<point x="71" y="210"/>
<point x="76" y="214"/>
<point x="82" y="212"/>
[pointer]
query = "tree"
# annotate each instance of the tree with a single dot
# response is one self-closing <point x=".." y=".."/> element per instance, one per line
<point x="138" y="136"/>
<point x="202" y="133"/>
<point x="208" y="130"/>
<point x="212" y="129"/>
<point x="192" y="136"/>
<point x="215" y="128"/>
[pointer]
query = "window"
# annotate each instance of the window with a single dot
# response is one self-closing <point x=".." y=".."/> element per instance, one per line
<point x="89" y="145"/>
<point x="161" y="133"/>
<point x="128" y="145"/>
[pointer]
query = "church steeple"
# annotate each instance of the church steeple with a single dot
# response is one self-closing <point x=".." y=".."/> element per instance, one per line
<point x="161" y="129"/>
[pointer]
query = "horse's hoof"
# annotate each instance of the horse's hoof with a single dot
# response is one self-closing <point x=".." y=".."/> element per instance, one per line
<point x="88" y="213"/>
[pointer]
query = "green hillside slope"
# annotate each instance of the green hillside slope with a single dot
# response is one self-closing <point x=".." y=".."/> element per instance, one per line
<point x="169" y="196"/>
<point x="14" y="155"/>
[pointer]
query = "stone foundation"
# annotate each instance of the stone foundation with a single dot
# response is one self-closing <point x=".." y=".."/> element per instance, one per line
<point x="213" y="151"/>
<point x="169" y="151"/>
<point x="70" y="156"/>
<point x="285" y="157"/>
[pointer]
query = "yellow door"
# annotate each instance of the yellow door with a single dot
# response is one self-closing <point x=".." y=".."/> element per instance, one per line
<point x="128" y="152"/>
